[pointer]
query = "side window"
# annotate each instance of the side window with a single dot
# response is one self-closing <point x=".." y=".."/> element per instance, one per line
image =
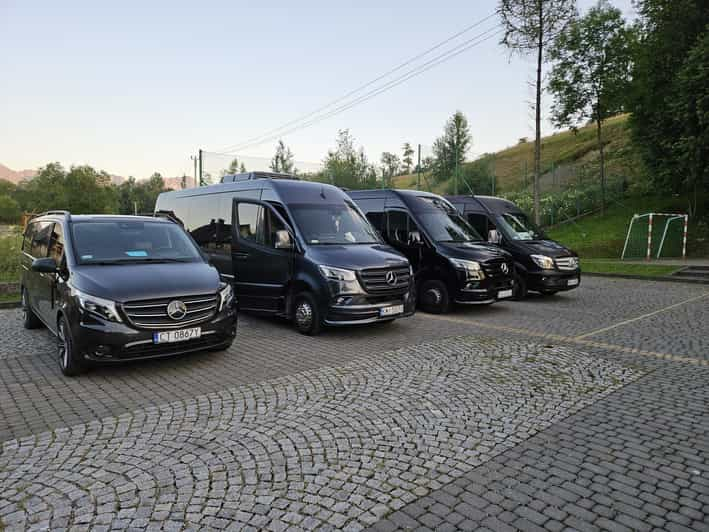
<point x="251" y="222"/>
<point x="399" y="224"/>
<point x="56" y="244"/>
<point x="223" y="231"/>
<point x="30" y="232"/>
<point x="40" y="239"/>
<point x="479" y="222"/>
<point x="203" y="220"/>
<point x="273" y="225"/>
<point x="377" y="221"/>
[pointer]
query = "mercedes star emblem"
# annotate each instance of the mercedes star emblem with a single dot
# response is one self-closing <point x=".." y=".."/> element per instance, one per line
<point x="390" y="278"/>
<point x="177" y="310"/>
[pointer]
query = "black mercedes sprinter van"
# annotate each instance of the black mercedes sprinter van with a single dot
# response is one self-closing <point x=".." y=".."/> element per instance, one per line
<point x="296" y="249"/>
<point x="541" y="264"/>
<point x="452" y="262"/>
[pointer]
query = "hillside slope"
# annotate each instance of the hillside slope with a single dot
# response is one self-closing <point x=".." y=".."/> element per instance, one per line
<point x="567" y="157"/>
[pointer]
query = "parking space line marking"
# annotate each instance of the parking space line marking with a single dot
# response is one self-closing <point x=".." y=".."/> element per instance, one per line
<point x="638" y="318"/>
<point x="577" y="340"/>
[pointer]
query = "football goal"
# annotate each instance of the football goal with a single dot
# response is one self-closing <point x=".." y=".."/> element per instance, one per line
<point x="656" y="235"/>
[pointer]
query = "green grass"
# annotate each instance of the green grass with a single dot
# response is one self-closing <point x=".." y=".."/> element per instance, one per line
<point x="603" y="237"/>
<point x="10" y="258"/>
<point x="649" y="270"/>
<point x="4" y="298"/>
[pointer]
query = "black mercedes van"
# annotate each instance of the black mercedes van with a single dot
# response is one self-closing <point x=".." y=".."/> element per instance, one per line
<point x="118" y="288"/>
<point x="541" y="264"/>
<point x="295" y="249"/>
<point x="451" y="261"/>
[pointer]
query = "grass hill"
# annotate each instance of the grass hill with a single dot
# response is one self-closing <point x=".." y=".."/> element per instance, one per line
<point x="567" y="156"/>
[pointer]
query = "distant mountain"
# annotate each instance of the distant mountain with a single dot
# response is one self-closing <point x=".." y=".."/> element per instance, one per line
<point x="15" y="176"/>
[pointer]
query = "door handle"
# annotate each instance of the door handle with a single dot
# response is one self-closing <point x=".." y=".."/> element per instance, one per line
<point x="241" y="255"/>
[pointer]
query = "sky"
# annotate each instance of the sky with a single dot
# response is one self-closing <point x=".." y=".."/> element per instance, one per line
<point x="135" y="87"/>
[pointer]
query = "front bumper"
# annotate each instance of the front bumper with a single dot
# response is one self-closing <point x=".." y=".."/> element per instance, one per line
<point x="360" y="310"/>
<point x="483" y="292"/>
<point x="100" y="341"/>
<point x="553" y="280"/>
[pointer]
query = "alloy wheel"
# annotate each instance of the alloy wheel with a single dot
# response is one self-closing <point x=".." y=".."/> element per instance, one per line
<point x="62" y="346"/>
<point x="304" y="315"/>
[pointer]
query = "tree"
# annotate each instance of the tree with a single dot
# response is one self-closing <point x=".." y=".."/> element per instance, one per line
<point x="530" y="25"/>
<point x="283" y="159"/>
<point x="408" y="160"/>
<point x="449" y="150"/>
<point x="666" y="113"/>
<point x="9" y="209"/>
<point x="242" y="168"/>
<point x="591" y="73"/>
<point x="233" y="167"/>
<point x="390" y="166"/>
<point x="346" y="166"/>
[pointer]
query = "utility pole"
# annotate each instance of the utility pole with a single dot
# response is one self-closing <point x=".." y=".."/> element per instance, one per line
<point x="194" y="160"/>
<point x="201" y="183"/>
<point x="418" y="168"/>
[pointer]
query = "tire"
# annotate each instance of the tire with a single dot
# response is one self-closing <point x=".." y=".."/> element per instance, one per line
<point x="519" y="291"/>
<point x="68" y="360"/>
<point x="434" y="298"/>
<point x="306" y="316"/>
<point x="29" y="318"/>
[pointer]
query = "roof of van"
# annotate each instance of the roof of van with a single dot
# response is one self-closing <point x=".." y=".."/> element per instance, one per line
<point x="490" y="203"/>
<point x="294" y="189"/>
<point x="387" y="191"/>
<point x="102" y="218"/>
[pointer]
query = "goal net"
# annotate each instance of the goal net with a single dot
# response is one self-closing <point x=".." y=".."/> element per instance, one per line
<point x="656" y="235"/>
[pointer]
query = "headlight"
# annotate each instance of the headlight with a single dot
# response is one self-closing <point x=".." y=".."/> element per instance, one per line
<point x="341" y="281"/>
<point x="103" y="308"/>
<point x="226" y="296"/>
<point x="544" y="262"/>
<point x="472" y="269"/>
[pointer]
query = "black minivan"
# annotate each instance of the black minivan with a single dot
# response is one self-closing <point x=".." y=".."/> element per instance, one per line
<point x="118" y="288"/>
<point x="452" y="262"/>
<point x="296" y="249"/>
<point x="541" y="264"/>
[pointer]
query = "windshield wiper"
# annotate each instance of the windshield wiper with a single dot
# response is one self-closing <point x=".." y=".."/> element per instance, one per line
<point x="152" y="260"/>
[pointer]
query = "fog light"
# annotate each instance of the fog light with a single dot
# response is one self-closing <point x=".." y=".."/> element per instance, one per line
<point x="102" y="351"/>
<point x="343" y="301"/>
<point x="471" y="286"/>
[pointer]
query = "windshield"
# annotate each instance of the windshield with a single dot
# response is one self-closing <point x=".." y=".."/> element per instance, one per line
<point x="323" y="224"/>
<point x="444" y="224"/>
<point x="517" y="226"/>
<point x="115" y="242"/>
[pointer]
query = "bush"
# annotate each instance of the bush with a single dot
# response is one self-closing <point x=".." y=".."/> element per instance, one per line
<point x="10" y="258"/>
<point x="10" y="211"/>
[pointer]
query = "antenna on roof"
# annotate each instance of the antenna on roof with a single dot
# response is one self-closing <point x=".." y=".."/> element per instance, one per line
<point x="322" y="192"/>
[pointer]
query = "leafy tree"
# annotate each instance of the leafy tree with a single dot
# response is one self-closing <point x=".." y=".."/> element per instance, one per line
<point x="591" y="73"/>
<point x="531" y="25"/>
<point x="390" y="166"/>
<point x="283" y="159"/>
<point x="408" y="157"/>
<point x="139" y="196"/>
<point x="9" y="209"/>
<point x="667" y="113"/>
<point x="233" y="167"/>
<point x="691" y="111"/>
<point x="242" y="168"/>
<point x="346" y="166"/>
<point x="7" y="188"/>
<point x="449" y="150"/>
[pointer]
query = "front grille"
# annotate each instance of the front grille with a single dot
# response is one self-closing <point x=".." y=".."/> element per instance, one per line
<point x="152" y="313"/>
<point x="374" y="280"/>
<point x="566" y="263"/>
<point x="494" y="270"/>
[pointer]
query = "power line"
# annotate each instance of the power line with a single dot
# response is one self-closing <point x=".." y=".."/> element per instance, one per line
<point x="446" y="56"/>
<point x="235" y="147"/>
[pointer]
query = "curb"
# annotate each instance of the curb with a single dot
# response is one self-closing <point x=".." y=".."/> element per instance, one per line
<point x="646" y="278"/>
<point x="9" y="304"/>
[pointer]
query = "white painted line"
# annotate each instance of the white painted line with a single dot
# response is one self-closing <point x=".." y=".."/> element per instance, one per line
<point x="644" y="316"/>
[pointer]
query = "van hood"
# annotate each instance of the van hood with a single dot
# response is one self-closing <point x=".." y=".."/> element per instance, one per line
<point x="477" y="251"/>
<point x="550" y="248"/>
<point x="357" y="256"/>
<point x="132" y="282"/>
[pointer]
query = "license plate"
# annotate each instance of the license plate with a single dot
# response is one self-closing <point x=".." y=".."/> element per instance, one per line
<point x="181" y="335"/>
<point x="391" y="311"/>
<point x="572" y="282"/>
<point x="504" y="294"/>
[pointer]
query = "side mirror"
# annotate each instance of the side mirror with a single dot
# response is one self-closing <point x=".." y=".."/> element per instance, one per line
<point x="415" y="238"/>
<point x="47" y="265"/>
<point x="283" y="240"/>
<point x="494" y="236"/>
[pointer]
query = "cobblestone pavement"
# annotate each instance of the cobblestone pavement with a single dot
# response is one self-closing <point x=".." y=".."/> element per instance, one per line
<point x="587" y="411"/>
